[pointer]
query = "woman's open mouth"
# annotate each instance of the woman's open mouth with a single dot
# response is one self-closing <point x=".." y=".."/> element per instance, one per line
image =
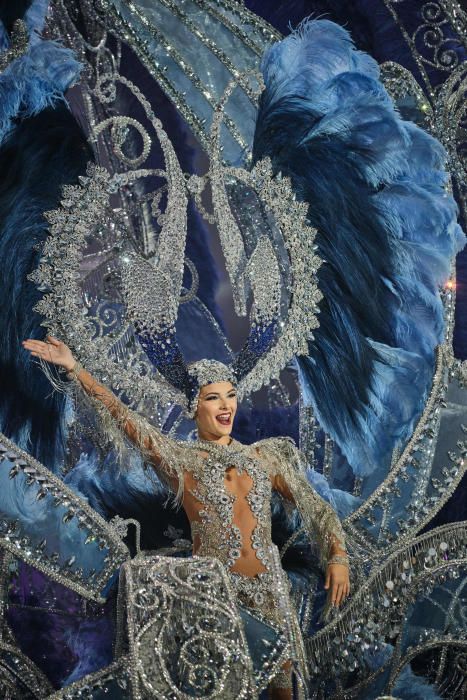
<point x="224" y="418"/>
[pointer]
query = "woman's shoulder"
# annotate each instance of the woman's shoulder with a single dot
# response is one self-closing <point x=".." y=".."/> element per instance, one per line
<point x="192" y="452"/>
<point x="282" y="442"/>
<point x="281" y="450"/>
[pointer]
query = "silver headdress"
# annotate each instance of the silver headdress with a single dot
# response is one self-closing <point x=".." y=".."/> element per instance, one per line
<point x="270" y="257"/>
<point x="205" y="372"/>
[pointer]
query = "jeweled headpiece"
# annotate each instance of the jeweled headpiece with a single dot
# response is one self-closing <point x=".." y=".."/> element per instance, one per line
<point x="206" y="372"/>
<point x="269" y="253"/>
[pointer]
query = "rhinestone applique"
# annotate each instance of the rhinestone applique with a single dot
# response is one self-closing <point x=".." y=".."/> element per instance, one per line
<point x="219" y="535"/>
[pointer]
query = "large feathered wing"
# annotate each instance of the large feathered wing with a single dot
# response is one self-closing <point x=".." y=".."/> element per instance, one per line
<point x="42" y="148"/>
<point x="377" y="193"/>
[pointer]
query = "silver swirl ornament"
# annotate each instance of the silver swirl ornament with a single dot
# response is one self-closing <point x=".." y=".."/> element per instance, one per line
<point x="192" y="644"/>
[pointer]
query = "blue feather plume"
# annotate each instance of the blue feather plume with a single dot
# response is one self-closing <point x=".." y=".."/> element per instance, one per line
<point x="386" y="230"/>
<point x="35" y="19"/>
<point x="48" y="148"/>
<point x="42" y="148"/>
<point x="34" y="82"/>
<point x="33" y="14"/>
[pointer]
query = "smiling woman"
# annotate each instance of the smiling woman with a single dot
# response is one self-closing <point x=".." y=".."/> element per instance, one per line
<point x="225" y="488"/>
<point x="217" y="405"/>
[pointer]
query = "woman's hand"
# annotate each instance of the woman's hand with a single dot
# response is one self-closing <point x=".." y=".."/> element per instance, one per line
<point x="337" y="579"/>
<point x="53" y="351"/>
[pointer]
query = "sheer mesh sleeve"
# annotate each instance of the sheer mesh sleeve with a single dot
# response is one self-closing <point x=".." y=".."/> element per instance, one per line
<point x="125" y="429"/>
<point x="319" y="518"/>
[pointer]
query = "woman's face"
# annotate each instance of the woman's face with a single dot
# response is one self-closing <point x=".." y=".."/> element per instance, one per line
<point x="217" y="405"/>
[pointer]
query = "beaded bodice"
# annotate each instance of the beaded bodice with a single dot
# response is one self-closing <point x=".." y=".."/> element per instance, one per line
<point x="227" y="519"/>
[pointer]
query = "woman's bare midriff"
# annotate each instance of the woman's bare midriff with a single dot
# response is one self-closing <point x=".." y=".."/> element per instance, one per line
<point x="239" y="485"/>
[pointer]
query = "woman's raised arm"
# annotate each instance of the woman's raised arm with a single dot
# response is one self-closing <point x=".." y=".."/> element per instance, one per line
<point x="117" y="409"/>
<point x="157" y="448"/>
<point x="321" y="521"/>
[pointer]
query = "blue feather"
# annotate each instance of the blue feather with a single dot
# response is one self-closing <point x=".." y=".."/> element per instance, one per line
<point x="386" y="230"/>
<point x="33" y="13"/>
<point x="4" y="41"/>
<point x="51" y="148"/>
<point x="35" y="19"/>
<point x="40" y="142"/>
<point x="34" y="82"/>
<point x="82" y="637"/>
<point x="133" y="494"/>
<point x="409" y="686"/>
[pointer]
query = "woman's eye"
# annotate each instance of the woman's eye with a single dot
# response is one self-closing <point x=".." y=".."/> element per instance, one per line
<point x="211" y="398"/>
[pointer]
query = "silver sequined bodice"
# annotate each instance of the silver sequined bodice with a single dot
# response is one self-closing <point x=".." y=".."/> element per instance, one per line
<point x="217" y="533"/>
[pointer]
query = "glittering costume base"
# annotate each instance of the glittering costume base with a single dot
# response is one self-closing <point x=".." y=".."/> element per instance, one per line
<point x="185" y="635"/>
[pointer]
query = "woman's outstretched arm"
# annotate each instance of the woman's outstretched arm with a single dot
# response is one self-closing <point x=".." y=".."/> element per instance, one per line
<point x="155" y="446"/>
<point x="57" y="353"/>
<point x="117" y="409"/>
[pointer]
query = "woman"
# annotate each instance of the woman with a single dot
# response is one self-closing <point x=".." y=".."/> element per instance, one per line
<point x="225" y="487"/>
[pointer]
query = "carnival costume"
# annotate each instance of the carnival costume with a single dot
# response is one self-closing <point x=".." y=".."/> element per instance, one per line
<point x="338" y="229"/>
<point x="217" y="533"/>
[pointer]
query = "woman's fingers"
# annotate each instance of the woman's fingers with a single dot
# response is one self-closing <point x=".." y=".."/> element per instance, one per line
<point x="339" y="584"/>
<point x="32" y="342"/>
<point x="31" y="346"/>
<point x="40" y="345"/>
<point x="55" y="351"/>
<point x="37" y="345"/>
<point x="338" y="592"/>
<point x="39" y="349"/>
